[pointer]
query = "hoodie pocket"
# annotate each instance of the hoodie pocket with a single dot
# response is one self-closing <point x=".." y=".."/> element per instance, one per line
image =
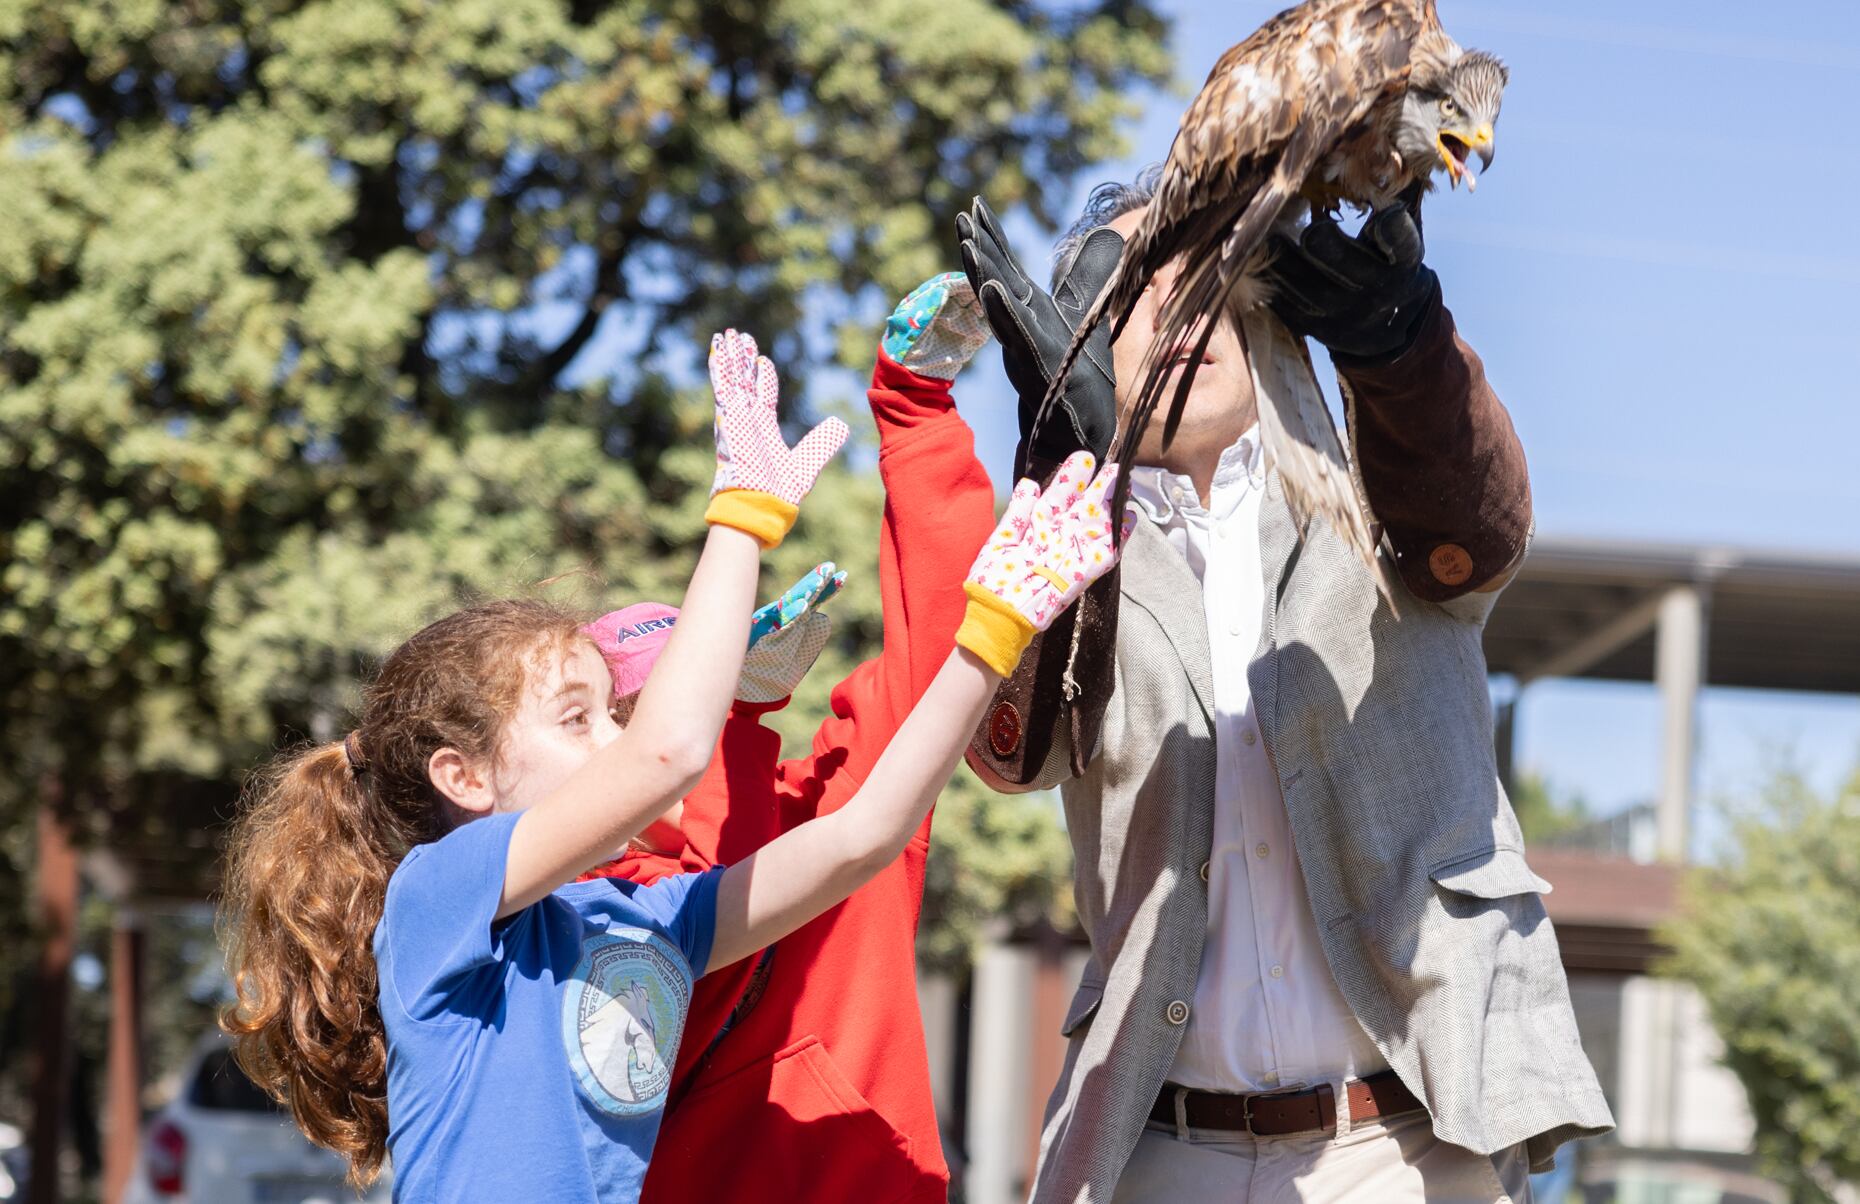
<point x="787" y="1127"/>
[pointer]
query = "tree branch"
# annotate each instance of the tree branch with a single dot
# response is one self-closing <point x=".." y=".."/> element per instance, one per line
<point x="609" y="286"/>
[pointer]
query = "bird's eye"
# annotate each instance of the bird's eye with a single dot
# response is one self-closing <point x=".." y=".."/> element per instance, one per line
<point x="1448" y="108"/>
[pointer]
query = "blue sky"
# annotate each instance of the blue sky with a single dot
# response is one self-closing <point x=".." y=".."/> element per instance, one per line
<point x="1661" y="273"/>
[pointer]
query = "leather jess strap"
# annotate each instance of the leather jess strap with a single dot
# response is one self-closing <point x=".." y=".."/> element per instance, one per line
<point x="1275" y="1115"/>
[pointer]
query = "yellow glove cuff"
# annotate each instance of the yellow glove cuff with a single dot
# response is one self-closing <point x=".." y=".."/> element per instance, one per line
<point x="993" y="630"/>
<point x="762" y="515"/>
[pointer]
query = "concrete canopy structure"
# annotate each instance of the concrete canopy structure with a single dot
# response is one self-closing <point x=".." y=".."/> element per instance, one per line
<point x="1580" y="608"/>
<point x="1683" y="618"/>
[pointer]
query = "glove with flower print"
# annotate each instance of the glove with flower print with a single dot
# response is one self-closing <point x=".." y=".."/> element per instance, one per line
<point x="760" y="479"/>
<point x="1049" y="546"/>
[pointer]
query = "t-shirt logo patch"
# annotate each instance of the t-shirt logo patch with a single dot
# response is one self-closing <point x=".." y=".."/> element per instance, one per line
<point x="622" y="1016"/>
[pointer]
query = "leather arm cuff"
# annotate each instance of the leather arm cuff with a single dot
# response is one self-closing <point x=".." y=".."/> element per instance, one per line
<point x="1035" y="709"/>
<point x="1442" y="466"/>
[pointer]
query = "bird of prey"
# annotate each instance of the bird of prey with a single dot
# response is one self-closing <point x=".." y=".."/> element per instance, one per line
<point x="1332" y="103"/>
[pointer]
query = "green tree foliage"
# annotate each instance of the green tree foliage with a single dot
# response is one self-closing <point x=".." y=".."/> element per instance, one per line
<point x="1000" y="862"/>
<point x="1768" y="938"/>
<point x="315" y="317"/>
<point x="1542" y="812"/>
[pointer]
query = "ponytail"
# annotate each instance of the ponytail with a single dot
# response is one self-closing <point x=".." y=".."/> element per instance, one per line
<point x="309" y="864"/>
<point x="309" y="859"/>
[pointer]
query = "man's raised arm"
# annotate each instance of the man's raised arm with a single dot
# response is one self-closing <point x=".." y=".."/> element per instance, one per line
<point x="1442" y="466"/>
<point x="939" y="508"/>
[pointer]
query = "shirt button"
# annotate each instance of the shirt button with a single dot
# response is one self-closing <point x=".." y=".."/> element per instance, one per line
<point x="1261" y="849"/>
<point x="1269" y="1079"/>
<point x="1233" y="628"/>
<point x="1176" y="1012"/>
<point x="1204" y="871"/>
<point x="1278" y="971"/>
<point x="1248" y="738"/>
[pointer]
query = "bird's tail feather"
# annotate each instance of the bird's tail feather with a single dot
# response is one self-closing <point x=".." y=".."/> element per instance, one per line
<point x="1200" y="300"/>
<point x="1149" y="247"/>
<point x="1195" y="305"/>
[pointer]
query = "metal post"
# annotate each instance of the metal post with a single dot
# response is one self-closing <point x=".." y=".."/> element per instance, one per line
<point x="57" y="904"/>
<point x="1679" y="672"/>
<point x="1048" y="1014"/>
<point x="998" y="1075"/>
<point x="123" y="1093"/>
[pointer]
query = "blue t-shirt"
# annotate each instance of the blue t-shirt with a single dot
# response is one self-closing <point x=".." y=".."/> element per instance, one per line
<point x="528" y="1059"/>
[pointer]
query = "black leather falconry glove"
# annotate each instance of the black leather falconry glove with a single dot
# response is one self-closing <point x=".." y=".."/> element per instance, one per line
<point x="1364" y="298"/>
<point x="1035" y="329"/>
<point x="1064" y="680"/>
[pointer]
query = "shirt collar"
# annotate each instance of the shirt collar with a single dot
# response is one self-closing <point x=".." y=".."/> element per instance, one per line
<point x="1163" y="494"/>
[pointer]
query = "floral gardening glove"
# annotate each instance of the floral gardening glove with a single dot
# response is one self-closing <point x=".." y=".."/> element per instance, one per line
<point x="937" y="328"/>
<point x="1049" y="547"/>
<point x="760" y="479"/>
<point x="786" y="637"/>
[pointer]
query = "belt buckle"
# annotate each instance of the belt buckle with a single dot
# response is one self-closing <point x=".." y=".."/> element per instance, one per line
<point x="1246" y="1102"/>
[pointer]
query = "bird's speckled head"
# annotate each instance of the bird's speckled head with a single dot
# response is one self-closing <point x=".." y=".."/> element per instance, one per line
<point x="1450" y="113"/>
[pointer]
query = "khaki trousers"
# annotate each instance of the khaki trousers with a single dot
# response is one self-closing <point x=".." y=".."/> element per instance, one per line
<point x="1396" y="1161"/>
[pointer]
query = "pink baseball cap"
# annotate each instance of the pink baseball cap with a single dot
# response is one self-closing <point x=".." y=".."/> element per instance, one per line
<point x="630" y="640"/>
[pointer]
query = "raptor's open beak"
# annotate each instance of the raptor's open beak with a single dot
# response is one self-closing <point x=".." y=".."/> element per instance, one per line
<point x="1455" y="145"/>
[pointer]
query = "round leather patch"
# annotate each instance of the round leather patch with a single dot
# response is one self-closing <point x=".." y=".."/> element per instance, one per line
<point x="1004" y="729"/>
<point x="1450" y="564"/>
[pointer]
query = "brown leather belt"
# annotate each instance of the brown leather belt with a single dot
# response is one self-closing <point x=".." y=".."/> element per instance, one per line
<point x="1280" y="1113"/>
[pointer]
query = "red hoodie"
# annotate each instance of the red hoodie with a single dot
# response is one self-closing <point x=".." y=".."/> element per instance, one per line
<point x="820" y="1087"/>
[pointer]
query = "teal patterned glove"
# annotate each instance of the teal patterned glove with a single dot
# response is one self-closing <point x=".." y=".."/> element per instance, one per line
<point x="787" y="636"/>
<point x="820" y="584"/>
<point x="937" y="328"/>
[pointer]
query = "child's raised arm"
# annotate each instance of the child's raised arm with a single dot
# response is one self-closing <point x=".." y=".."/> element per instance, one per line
<point x="664" y="749"/>
<point x="1048" y="548"/>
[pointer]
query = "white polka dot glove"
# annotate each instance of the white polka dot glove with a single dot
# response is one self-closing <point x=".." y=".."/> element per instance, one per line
<point x="1049" y="547"/>
<point x="937" y="328"/>
<point x="760" y="479"/>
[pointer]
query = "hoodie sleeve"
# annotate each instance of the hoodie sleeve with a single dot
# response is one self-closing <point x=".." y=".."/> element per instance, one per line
<point x="939" y="509"/>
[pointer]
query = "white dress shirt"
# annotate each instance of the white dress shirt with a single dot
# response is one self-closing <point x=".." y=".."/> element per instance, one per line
<point x="1267" y="1014"/>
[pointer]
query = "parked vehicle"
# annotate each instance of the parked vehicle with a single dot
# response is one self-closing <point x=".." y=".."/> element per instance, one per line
<point x="13" y="1163"/>
<point x="223" y="1141"/>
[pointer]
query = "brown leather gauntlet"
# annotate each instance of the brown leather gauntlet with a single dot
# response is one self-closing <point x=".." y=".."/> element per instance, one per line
<point x="1060" y="687"/>
<point x="1440" y="462"/>
<point x="1035" y="706"/>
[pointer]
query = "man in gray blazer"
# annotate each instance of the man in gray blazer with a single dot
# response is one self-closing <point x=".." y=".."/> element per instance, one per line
<point x="1320" y="966"/>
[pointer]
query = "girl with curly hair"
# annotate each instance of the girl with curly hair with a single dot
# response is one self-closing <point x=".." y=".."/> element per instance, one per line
<point x="419" y="974"/>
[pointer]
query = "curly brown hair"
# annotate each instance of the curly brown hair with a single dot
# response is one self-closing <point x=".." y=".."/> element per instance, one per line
<point x="311" y="853"/>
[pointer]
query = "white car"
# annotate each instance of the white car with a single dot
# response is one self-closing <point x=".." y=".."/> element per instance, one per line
<point x="223" y="1141"/>
<point x="12" y="1164"/>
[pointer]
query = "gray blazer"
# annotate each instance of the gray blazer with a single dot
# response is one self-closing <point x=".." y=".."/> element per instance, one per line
<point x="1380" y="730"/>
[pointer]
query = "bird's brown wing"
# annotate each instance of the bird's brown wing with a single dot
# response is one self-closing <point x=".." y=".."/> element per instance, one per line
<point x="1270" y="109"/>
